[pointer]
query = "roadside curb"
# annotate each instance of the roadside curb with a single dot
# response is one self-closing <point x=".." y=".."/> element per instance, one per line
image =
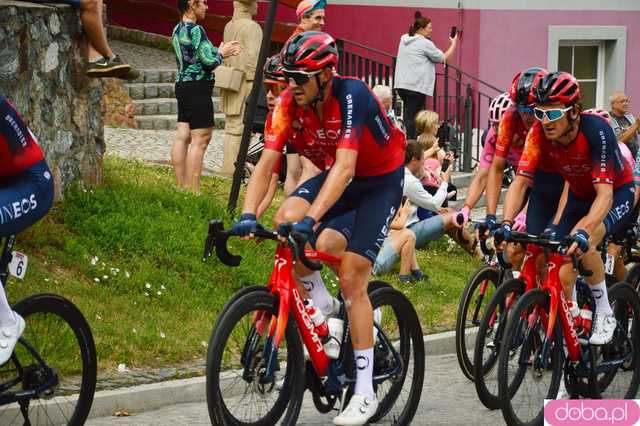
<point x="157" y="395"/>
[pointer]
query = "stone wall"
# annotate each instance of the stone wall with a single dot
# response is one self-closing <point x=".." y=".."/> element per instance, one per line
<point x="42" y="65"/>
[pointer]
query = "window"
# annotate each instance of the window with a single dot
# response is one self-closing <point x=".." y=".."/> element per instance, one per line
<point x="585" y="60"/>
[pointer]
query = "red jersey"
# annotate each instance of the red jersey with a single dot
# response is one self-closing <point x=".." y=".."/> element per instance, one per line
<point x="353" y="118"/>
<point x="511" y="129"/>
<point x="592" y="158"/>
<point x="19" y="148"/>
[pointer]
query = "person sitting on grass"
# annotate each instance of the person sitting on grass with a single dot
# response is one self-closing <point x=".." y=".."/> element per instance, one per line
<point x="400" y="245"/>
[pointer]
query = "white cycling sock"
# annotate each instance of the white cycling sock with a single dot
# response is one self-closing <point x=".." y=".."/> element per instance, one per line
<point x="599" y="292"/>
<point x="364" y="372"/>
<point x="6" y="313"/>
<point x="574" y="295"/>
<point x="318" y="291"/>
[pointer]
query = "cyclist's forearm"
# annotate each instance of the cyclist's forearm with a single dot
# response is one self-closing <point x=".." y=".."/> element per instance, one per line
<point x="259" y="181"/>
<point x="515" y="197"/>
<point x="494" y="184"/>
<point x="268" y="198"/>
<point x="561" y="204"/>
<point x="476" y="188"/>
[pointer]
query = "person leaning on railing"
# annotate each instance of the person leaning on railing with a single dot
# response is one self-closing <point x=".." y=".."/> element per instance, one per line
<point x="415" y="73"/>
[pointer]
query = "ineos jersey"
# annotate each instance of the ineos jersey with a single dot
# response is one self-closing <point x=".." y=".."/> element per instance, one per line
<point x="353" y="118"/>
<point x="592" y="158"/>
<point x="19" y="148"/>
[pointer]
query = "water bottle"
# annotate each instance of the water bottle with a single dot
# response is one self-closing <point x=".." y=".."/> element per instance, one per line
<point x="586" y="316"/>
<point x="318" y="320"/>
<point x="336" y="330"/>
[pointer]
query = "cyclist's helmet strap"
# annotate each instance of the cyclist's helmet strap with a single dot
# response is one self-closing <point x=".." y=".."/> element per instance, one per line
<point x="522" y="87"/>
<point x="556" y="87"/>
<point x="310" y="51"/>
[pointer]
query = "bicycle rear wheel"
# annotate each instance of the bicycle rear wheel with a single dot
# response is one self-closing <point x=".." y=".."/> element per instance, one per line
<point x="621" y="358"/>
<point x="475" y="297"/>
<point x="237" y="391"/>
<point x="398" y="395"/>
<point x="527" y="375"/>
<point x="487" y="347"/>
<point x="58" y="333"/>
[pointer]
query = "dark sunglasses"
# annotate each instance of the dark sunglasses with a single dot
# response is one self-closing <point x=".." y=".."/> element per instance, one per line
<point x="525" y="109"/>
<point x="551" y="114"/>
<point x="300" y="78"/>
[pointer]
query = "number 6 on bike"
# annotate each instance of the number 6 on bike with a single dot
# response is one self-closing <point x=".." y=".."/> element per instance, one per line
<point x="18" y="265"/>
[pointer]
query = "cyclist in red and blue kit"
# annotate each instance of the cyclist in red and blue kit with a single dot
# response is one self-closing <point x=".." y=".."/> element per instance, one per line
<point x="599" y="190"/>
<point x="26" y="195"/>
<point x="365" y="179"/>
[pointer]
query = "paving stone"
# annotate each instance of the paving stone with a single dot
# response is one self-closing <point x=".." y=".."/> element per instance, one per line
<point x="150" y="91"/>
<point x="135" y="91"/>
<point x="166" y="90"/>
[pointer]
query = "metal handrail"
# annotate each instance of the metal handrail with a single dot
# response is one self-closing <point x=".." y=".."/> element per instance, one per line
<point x="371" y="49"/>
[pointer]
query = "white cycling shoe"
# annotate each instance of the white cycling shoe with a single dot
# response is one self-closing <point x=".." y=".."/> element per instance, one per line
<point x="604" y="326"/>
<point x="358" y="412"/>
<point x="8" y="338"/>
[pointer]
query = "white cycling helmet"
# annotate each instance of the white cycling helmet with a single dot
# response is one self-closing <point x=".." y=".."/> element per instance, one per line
<point x="602" y="113"/>
<point x="498" y="106"/>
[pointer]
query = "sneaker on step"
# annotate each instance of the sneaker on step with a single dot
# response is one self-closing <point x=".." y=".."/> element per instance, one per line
<point x="358" y="412"/>
<point x="113" y="67"/>
<point x="8" y="338"/>
<point x="603" y="328"/>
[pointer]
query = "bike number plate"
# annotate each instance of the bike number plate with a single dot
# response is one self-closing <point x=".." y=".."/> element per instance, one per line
<point x="608" y="266"/>
<point x="18" y="265"/>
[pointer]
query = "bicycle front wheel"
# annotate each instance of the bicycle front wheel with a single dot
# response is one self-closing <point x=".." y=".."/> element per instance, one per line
<point x="239" y="392"/>
<point x="473" y="302"/>
<point x="489" y="338"/>
<point x="55" y="358"/>
<point x="529" y="371"/>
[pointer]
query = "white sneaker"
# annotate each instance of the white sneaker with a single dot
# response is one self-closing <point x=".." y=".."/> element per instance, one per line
<point x="8" y="338"/>
<point x="603" y="328"/>
<point x="358" y="412"/>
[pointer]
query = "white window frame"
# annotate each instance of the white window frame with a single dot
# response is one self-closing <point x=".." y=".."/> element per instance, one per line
<point x="614" y="39"/>
<point x="600" y="98"/>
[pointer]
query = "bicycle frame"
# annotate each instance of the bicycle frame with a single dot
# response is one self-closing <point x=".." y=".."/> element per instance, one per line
<point x="558" y="306"/>
<point x="282" y="284"/>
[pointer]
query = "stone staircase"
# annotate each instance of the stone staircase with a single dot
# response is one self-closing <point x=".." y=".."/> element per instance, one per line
<point x="462" y="181"/>
<point x="155" y="105"/>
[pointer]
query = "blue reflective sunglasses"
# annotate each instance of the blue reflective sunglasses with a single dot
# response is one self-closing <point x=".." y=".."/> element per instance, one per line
<point x="551" y="114"/>
<point x="525" y="109"/>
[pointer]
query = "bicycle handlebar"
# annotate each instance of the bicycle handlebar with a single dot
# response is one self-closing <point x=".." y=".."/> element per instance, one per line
<point x="555" y="245"/>
<point x="217" y="237"/>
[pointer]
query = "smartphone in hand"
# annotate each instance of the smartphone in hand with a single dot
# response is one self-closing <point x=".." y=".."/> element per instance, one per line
<point x="445" y="164"/>
<point x="454" y="31"/>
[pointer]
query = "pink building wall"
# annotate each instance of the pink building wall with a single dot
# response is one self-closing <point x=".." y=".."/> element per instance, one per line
<point x="494" y="45"/>
<point x="512" y="40"/>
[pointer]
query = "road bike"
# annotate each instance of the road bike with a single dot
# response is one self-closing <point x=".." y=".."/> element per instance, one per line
<point x="256" y="368"/>
<point x="51" y="376"/>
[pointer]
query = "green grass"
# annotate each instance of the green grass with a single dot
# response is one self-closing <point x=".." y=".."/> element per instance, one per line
<point x="129" y="254"/>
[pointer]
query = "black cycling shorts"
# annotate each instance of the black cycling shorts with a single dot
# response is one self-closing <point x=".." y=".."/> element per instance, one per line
<point x="195" y="105"/>
<point x="373" y="200"/>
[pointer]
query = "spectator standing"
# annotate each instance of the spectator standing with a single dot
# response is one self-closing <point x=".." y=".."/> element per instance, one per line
<point x="249" y="34"/>
<point x="625" y="125"/>
<point x="415" y="72"/>
<point x="196" y="58"/>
